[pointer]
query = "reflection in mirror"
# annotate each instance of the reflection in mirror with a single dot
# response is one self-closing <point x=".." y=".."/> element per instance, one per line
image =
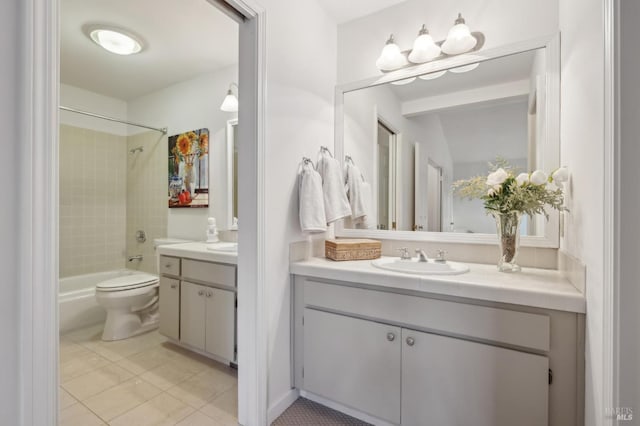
<point x="232" y="174"/>
<point x="412" y="141"/>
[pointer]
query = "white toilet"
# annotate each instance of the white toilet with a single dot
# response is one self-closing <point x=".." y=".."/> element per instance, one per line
<point x="131" y="302"/>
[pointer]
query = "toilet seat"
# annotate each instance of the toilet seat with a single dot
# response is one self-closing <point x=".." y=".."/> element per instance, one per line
<point x="127" y="282"/>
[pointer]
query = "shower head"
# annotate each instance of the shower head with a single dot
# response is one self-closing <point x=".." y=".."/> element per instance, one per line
<point x="134" y="150"/>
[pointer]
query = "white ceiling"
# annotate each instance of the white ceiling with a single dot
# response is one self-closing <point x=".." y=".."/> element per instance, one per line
<point x="184" y="38"/>
<point x="347" y="10"/>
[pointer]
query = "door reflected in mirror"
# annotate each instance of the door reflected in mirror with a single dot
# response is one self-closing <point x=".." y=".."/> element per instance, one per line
<point x="232" y="174"/>
<point x="411" y="142"/>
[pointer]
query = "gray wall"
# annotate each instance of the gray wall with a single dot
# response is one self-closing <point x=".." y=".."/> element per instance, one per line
<point x="629" y="155"/>
<point x="9" y="104"/>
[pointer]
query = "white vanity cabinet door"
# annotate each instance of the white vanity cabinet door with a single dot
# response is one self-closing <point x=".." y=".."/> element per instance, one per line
<point x="449" y="381"/>
<point x="219" y="326"/>
<point x="169" y="307"/>
<point x="354" y="362"/>
<point x="192" y="314"/>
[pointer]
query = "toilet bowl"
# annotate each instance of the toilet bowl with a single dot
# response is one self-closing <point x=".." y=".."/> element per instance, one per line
<point x="131" y="302"/>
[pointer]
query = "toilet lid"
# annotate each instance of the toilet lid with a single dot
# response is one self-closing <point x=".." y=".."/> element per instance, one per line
<point x="127" y="282"/>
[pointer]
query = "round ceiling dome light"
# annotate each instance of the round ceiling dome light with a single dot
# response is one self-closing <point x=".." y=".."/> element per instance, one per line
<point x="115" y="40"/>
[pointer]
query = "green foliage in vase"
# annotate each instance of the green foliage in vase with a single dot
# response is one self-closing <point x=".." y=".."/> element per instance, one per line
<point x="504" y="191"/>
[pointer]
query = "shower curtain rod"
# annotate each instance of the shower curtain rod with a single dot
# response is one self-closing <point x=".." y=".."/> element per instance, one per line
<point x="104" y="117"/>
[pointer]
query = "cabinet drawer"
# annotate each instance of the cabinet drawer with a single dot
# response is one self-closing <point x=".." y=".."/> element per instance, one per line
<point x="170" y="265"/>
<point x="478" y="322"/>
<point x="214" y="273"/>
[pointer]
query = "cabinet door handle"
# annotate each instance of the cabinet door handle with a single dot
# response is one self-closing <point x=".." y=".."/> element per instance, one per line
<point x="167" y="265"/>
<point x="391" y="337"/>
<point x="410" y="341"/>
<point x="209" y="294"/>
<point x="200" y="293"/>
<point x="174" y="285"/>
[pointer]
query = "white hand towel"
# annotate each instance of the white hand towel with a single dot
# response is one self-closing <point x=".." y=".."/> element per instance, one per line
<point x="354" y="191"/>
<point x="336" y="205"/>
<point x="368" y="220"/>
<point x="312" y="217"/>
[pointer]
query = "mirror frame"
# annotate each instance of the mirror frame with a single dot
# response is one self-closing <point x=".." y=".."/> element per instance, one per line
<point x="230" y="172"/>
<point x="551" y="44"/>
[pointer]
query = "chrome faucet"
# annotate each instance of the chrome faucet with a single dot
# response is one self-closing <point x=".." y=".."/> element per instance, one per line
<point x="404" y="253"/>
<point x="422" y="256"/>
<point x="137" y="257"/>
<point x="440" y="256"/>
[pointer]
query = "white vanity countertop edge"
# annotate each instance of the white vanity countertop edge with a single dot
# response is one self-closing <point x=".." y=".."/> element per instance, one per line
<point x="541" y="288"/>
<point x="198" y="251"/>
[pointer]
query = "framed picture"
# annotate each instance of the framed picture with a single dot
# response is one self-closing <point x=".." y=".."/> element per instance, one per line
<point x="189" y="169"/>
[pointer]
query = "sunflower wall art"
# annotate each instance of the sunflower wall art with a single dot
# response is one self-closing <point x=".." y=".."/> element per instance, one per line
<point x="189" y="169"/>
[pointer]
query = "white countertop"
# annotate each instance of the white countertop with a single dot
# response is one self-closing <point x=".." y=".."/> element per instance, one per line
<point x="198" y="251"/>
<point x="540" y="288"/>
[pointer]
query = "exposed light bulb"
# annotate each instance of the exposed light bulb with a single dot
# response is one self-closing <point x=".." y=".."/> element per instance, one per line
<point x="424" y="48"/>
<point x="391" y="57"/>
<point x="464" y="68"/>
<point x="459" y="39"/>
<point x="433" y="75"/>
<point x="404" y="81"/>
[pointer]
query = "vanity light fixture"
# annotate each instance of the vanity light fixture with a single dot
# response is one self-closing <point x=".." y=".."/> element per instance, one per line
<point x="433" y="75"/>
<point x="391" y="57"/>
<point x="459" y="40"/>
<point x="464" y="68"/>
<point x="404" y="81"/>
<point x="424" y="48"/>
<point x="115" y="40"/>
<point x="230" y="103"/>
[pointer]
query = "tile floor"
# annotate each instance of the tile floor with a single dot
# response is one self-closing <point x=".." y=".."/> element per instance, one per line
<point x="141" y="381"/>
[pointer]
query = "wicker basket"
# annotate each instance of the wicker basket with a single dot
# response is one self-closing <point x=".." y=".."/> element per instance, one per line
<point x="352" y="249"/>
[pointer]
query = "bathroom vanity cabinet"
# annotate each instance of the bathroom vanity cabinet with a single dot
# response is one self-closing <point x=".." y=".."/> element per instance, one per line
<point x="198" y="305"/>
<point x="401" y="355"/>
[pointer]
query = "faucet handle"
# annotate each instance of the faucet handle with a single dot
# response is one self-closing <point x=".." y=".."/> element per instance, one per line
<point x="440" y="256"/>
<point x="404" y="253"/>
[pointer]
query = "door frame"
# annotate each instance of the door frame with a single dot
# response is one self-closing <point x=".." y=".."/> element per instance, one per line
<point x="38" y="246"/>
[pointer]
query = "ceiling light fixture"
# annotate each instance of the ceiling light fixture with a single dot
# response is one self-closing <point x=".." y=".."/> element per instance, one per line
<point x="424" y="48"/>
<point x="464" y="68"/>
<point x="115" y="40"/>
<point x="230" y="103"/>
<point x="459" y="40"/>
<point x="433" y="75"/>
<point x="391" y="57"/>
<point x="404" y="81"/>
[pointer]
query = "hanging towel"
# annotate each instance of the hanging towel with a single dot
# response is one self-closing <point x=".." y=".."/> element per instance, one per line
<point x="336" y="205"/>
<point x="367" y="221"/>
<point x="312" y="217"/>
<point x="354" y="191"/>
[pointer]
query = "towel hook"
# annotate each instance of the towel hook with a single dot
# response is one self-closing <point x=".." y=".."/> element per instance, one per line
<point x="347" y="158"/>
<point x="306" y="161"/>
<point x="325" y="149"/>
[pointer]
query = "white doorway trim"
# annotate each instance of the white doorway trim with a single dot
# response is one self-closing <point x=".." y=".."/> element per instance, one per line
<point x="38" y="246"/>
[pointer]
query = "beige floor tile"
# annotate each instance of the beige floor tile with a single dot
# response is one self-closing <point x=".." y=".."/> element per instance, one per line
<point x="223" y="408"/>
<point x="97" y="381"/>
<point x="169" y="374"/>
<point x="65" y="398"/>
<point x="93" y="332"/>
<point x="146" y="360"/>
<point x="119" y="349"/>
<point x="198" y="419"/>
<point x="70" y="350"/>
<point x="119" y="399"/>
<point x="79" y="415"/>
<point x="201" y="388"/>
<point x="162" y="410"/>
<point x="81" y="365"/>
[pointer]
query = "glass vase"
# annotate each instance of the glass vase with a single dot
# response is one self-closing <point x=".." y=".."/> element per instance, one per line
<point x="508" y="226"/>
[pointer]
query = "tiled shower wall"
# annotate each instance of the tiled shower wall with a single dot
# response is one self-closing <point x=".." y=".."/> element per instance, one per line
<point x="93" y="173"/>
<point x="147" y="178"/>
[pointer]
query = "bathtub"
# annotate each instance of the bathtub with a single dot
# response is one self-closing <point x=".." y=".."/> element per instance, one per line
<point x="77" y="299"/>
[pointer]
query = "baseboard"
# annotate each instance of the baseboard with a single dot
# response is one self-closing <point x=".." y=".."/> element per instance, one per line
<point x="281" y="405"/>
<point x="346" y="410"/>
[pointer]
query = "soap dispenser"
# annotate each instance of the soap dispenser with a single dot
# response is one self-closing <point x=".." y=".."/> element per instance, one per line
<point x="212" y="231"/>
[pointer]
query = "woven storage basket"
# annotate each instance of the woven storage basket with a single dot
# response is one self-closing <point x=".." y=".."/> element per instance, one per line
<point x="352" y="249"/>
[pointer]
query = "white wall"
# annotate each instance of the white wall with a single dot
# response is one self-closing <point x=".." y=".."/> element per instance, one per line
<point x="75" y="97"/>
<point x="188" y="105"/>
<point x="582" y="135"/>
<point x="9" y="212"/>
<point x="301" y="52"/>
<point x="501" y="21"/>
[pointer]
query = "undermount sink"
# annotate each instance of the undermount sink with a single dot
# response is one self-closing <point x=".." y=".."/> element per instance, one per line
<point x="413" y="266"/>
<point x="226" y="247"/>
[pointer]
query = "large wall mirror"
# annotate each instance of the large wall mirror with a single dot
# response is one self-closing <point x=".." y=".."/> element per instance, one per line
<point x="414" y="132"/>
